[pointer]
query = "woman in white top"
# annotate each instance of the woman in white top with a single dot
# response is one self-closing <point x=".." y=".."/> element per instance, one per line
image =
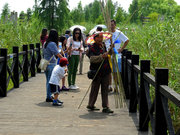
<point x="75" y="48"/>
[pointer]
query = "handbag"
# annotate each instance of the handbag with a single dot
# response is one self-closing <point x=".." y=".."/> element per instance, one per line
<point x="43" y="63"/>
<point x="91" y="74"/>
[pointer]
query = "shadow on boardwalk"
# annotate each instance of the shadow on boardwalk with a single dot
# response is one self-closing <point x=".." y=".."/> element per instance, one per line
<point x="25" y="112"/>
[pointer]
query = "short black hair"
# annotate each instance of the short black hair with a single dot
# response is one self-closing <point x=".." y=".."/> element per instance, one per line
<point x="67" y="32"/>
<point x="99" y="28"/>
<point x="113" y="21"/>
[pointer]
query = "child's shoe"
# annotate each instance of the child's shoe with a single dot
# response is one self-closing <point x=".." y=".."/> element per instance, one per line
<point x="56" y="103"/>
<point x="59" y="101"/>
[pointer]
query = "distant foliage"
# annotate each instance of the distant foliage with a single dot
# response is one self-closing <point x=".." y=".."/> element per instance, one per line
<point x="153" y="17"/>
<point x="144" y="7"/>
<point x="24" y="32"/>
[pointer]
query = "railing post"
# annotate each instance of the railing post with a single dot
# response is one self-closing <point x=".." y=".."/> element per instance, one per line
<point x="38" y="57"/>
<point x="143" y="106"/>
<point x="33" y="69"/>
<point x="16" y="66"/>
<point x="3" y="74"/>
<point x="26" y="64"/>
<point x="133" y="91"/>
<point x="161" y="78"/>
<point x="123" y="64"/>
<point x="126" y="88"/>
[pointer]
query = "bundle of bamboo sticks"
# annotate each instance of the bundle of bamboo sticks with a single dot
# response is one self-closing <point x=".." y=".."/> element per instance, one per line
<point x="119" y="94"/>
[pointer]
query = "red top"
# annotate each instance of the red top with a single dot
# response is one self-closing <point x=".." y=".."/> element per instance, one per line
<point x="43" y="40"/>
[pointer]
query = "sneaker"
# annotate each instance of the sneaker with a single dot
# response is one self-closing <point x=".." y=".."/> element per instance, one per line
<point x="59" y="101"/>
<point x="71" y="87"/>
<point x="107" y="110"/>
<point x="49" y="100"/>
<point x="56" y="103"/>
<point x="75" y="86"/>
<point x="92" y="108"/>
<point x="64" y="88"/>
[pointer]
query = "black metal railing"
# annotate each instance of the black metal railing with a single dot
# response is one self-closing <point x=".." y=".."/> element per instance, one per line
<point x="137" y="82"/>
<point x="19" y="64"/>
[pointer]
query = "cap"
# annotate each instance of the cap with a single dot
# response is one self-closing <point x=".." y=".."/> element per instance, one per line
<point x="63" y="61"/>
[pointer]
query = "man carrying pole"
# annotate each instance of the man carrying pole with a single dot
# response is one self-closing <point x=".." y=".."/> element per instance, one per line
<point x="98" y="55"/>
<point x="117" y="38"/>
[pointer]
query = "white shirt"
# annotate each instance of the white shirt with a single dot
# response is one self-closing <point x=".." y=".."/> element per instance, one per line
<point x="119" y="37"/>
<point x="57" y="74"/>
<point x="77" y="44"/>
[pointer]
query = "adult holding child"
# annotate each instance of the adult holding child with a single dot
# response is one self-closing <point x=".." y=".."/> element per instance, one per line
<point x="75" y="48"/>
<point x="50" y="52"/>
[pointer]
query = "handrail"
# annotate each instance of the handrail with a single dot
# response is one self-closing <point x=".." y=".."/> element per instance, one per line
<point x="136" y="81"/>
<point x="17" y="64"/>
<point x="171" y="94"/>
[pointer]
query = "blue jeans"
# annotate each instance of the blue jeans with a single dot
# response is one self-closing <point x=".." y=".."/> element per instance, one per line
<point x="48" y="73"/>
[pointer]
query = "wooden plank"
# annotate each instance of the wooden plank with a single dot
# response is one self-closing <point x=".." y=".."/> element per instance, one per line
<point x="25" y="112"/>
<point x="170" y="94"/>
<point x="149" y="78"/>
<point x="137" y="69"/>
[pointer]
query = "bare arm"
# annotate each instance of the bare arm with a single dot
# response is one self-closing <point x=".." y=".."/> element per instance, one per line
<point x="59" y="55"/>
<point x="122" y="48"/>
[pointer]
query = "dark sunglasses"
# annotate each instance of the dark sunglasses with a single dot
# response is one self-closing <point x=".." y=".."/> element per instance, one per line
<point x="77" y="33"/>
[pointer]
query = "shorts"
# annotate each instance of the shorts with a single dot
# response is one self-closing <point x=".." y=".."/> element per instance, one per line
<point x="55" y="89"/>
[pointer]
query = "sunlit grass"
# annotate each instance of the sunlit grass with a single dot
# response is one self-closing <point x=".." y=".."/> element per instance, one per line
<point x="160" y="43"/>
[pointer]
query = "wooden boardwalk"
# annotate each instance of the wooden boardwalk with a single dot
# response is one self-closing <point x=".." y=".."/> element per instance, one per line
<point x="25" y="112"/>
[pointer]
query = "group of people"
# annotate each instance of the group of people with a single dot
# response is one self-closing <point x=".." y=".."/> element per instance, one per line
<point x="98" y="54"/>
<point x="72" y="47"/>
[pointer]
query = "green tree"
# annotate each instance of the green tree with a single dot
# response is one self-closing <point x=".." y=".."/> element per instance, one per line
<point x="95" y="10"/>
<point x="133" y="10"/>
<point x="29" y="14"/>
<point x="100" y="20"/>
<point x="5" y="12"/>
<point x="120" y="15"/>
<point x="77" y="15"/>
<point x="153" y="17"/>
<point x="48" y="11"/>
<point x="63" y="15"/>
<point x="87" y="12"/>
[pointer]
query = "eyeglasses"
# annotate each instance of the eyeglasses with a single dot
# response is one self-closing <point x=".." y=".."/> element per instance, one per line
<point x="77" y="33"/>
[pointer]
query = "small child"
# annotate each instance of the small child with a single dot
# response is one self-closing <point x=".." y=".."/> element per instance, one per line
<point x="59" y="72"/>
